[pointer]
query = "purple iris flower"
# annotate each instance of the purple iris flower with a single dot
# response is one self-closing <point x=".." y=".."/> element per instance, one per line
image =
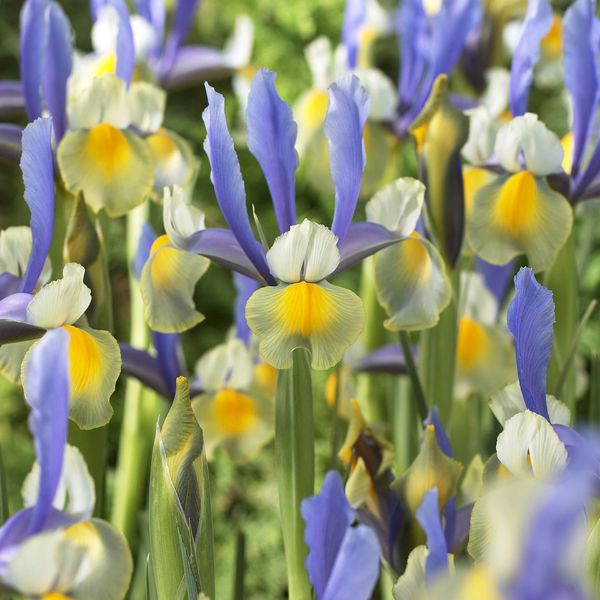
<point x="343" y="559"/>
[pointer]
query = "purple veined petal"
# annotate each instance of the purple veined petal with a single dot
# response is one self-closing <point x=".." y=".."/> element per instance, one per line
<point x="125" y="43"/>
<point x="433" y="418"/>
<point x="387" y="359"/>
<point x="354" y="17"/>
<point x="14" y="307"/>
<point x="328" y="516"/>
<point x="185" y="11"/>
<point x="10" y="141"/>
<point x="581" y="43"/>
<point x="12" y="102"/>
<point x="271" y="139"/>
<point x="496" y="277"/>
<point x="428" y="516"/>
<point x="57" y="67"/>
<point x="363" y="240"/>
<point x="46" y="386"/>
<point x="9" y="284"/>
<point x="587" y="176"/>
<point x="531" y="322"/>
<point x="170" y="362"/>
<point x="222" y="247"/>
<point x="32" y="41"/>
<point x="154" y="12"/>
<point x="195" y="64"/>
<point x="538" y="20"/>
<point x="344" y="123"/>
<point x="147" y="237"/>
<point x="227" y="180"/>
<point x="245" y="287"/>
<point x="144" y="367"/>
<point x="38" y="175"/>
<point x="462" y="523"/>
<point x="356" y="568"/>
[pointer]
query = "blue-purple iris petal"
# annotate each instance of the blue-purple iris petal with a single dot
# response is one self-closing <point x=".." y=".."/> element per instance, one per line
<point x="147" y="237"/>
<point x="32" y="40"/>
<point x="38" y="175"/>
<point x="354" y="17"/>
<point x="538" y="20"/>
<point x="328" y="515"/>
<point x="496" y="277"/>
<point x="46" y="388"/>
<point x="386" y="359"/>
<point x="57" y="67"/>
<point x="245" y="287"/>
<point x="462" y="523"/>
<point x="14" y="307"/>
<point x="95" y="6"/>
<point x="581" y="43"/>
<point x="346" y="116"/>
<point x="195" y="64"/>
<point x="170" y="363"/>
<point x="154" y="12"/>
<point x="185" y="11"/>
<point x="227" y="180"/>
<point x="125" y="43"/>
<point x="271" y="139"/>
<point x="144" y="367"/>
<point x="428" y="516"/>
<point x="433" y="418"/>
<point x="9" y="284"/>
<point x="531" y="322"/>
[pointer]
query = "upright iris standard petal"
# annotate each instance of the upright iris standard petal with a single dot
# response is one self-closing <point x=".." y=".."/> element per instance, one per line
<point x="31" y="51"/>
<point x="354" y="16"/>
<point x="531" y="321"/>
<point x="57" y="67"/>
<point x="245" y="287"/>
<point x="125" y="43"/>
<point x="343" y="562"/>
<point x="428" y="515"/>
<point x="38" y="176"/>
<point x="227" y="180"/>
<point x="47" y="387"/>
<point x="581" y="43"/>
<point x="497" y="278"/>
<point x="168" y="351"/>
<point x="346" y="116"/>
<point x="154" y="12"/>
<point x="538" y="20"/>
<point x="182" y="19"/>
<point x="271" y="138"/>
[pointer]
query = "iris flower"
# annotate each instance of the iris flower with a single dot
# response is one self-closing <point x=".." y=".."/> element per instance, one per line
<point x="53" y="548"/>
<point x="94" y="358"/>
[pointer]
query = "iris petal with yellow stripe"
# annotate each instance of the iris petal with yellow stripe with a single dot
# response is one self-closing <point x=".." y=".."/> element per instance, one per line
<point x="411" y="284"/>
<point x="519" y="214"/>
<point x="174" y="162"/>
<point x="112" y="167"/>
<point x="167" y="285"/>
<point x="323" y="318"/>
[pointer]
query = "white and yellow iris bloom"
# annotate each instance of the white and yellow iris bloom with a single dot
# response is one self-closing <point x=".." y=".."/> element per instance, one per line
<point x="481" y="342"/>
<point x="94" y="356"/>
<point x="304" y="310"/>
<point x="236" y="409"/>
<point x="519" y="213"/>
<point x="170" y="274"/>
<point x="410" y="276"/>
<point x="15" y="249"/>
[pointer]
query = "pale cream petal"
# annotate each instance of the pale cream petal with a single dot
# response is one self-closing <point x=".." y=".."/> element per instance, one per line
<point x="147" y="106"/>
<point x="227" y="365"/>
<point x="181" y="219"/>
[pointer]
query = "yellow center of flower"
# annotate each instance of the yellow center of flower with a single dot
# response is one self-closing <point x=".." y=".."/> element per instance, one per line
<point x="163" y="263"/>
<point x="479" y="584"/>
<point x="235" y="412"/>
<point x="517" y="205"/>
<point x="265" y="377"/>
<point x="55" y="596"/>
<point x="472" y="343"/>
<point x="159" y="242"/>
<point x="81" y="533"/>
<point x="418" y="265"/>
<point x="107" y="65"/>
<point x="567" y="143"/>
<point x="473" y="179"/>
<point x="552" y="43"/>
<point x="314" y="109"/>
<point x="305" y="308"/>
<point x="162" y="146"/>
<point x="108" y="149"/>
<point x="84" y="359"/>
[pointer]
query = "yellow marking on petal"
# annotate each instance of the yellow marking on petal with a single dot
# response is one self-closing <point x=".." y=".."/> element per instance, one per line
<point x="235" y="412"/>
<point x="331" y="389"/>
<point x="418" y="265"/>
<point x="85" y="360"/>
<point x="82" y="533"/>
<point x="162" y="265"/>
<point x="107" y="65"/>
<point x="305" y="308"/>
<point x="472" y="345"/>
<point x="108" y="148"/>
<point x="419" y="134"/>
<point x="162" y="146"/>
<point x="552" y="43"/>
<point x="474" y="179"/>
<point x="159" y="242"/>
<point x="55" y="596"/>
<point x="265" y="377"/>
<point x="505" y="116"/>
<point x="314" y="109"/>
<point x="567" y="143"/>
<point x="248" y="72"/>
<point x="478" y="584"/>
<point x="517" y="206"/>
<point x="432" y="7"/>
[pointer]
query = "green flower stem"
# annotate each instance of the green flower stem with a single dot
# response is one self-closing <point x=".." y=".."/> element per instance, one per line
<point x="417" y="388"/>
<point x="405" y="426"/>
<point x="371" y="389"/>
<point x="295" y="453"/>
<point x="335" y="427"/>
<point x="437" y="355"/>
<point x="562" y="279"/>
<point x="142" y="407"/>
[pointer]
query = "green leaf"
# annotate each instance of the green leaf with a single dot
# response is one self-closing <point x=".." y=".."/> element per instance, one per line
<point x="593" y="560"/>
<point x="4" y="510"/>
<point x="180" y="512"/>
<point x="294" y="447"/>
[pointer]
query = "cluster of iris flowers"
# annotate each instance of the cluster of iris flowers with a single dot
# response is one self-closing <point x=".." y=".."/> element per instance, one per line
<point x="469" y="468"/>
